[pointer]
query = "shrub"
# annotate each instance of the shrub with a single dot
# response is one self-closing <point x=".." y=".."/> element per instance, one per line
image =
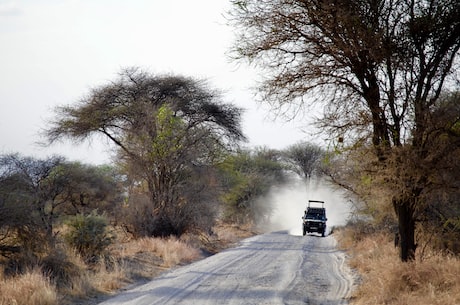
<point x="196" y="213"/>
<point x="89" y="235"/>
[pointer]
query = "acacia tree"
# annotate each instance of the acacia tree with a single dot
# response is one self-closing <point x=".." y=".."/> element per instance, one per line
<point x="377" y="66"/>
<point x="303" y="158"/>
<point x="164" y="127"/>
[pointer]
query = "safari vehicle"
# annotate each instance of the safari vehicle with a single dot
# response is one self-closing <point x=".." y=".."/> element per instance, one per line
<point x="314" y="219"/>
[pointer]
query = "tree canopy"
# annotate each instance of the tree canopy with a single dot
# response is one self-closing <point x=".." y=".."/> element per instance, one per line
<point x="379" y="64"/>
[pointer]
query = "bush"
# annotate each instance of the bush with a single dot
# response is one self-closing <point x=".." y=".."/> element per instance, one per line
<point x="195" y="213"/>
<point x="89" y="235"/>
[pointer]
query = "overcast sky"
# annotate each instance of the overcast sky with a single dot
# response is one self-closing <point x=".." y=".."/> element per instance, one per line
<point x="53" y="51"/>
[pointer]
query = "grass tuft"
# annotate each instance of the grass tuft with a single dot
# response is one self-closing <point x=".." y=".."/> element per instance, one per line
<point x="32" y="287"/>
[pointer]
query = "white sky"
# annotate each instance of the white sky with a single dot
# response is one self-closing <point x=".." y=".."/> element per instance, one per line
<point x="53" y="51"/>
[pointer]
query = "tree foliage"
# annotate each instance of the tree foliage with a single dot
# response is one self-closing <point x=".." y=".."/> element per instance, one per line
<point x="377" y="66"/>
<point x="372" y="63"/>
<point x="304" y="159"/>
<point x="35" y="194"/>
<point x="247" y="178"/>
<point x="166" y="128"/>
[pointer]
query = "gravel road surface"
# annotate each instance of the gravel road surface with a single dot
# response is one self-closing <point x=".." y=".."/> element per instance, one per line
<point x="273" y="268"/>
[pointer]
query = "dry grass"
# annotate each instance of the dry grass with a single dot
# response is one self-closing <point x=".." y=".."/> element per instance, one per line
<point x="32" y="287"/>
<point x="171" y="250"/>
<point x="386" y="280"/>
<point x="128" y="261"/>
<point x="111" y="276"/>
<point x="231" y="233"/>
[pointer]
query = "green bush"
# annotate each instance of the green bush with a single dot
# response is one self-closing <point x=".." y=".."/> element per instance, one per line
<point x="89" y="235"/>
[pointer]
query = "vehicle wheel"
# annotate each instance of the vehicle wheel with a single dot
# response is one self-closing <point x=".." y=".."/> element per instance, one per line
<point x="304" y="231"/>
<point x="323" y="233"/>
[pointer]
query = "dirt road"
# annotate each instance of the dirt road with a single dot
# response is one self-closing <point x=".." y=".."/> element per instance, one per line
<point x="274" y="268"/>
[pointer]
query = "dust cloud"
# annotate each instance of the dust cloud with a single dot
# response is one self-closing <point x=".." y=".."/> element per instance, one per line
<point x="290" y="201"/>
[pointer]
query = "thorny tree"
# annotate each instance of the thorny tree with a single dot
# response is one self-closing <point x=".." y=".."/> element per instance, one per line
<point x="377" y="67"/>
<point x="165" y="128"/>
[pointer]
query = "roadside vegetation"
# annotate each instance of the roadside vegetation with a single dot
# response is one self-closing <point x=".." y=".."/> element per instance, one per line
<point x="67" y="278"/>
<point x="431" y="279"/>
<point x="372" y="237"/>
<point x="66" y="239"/>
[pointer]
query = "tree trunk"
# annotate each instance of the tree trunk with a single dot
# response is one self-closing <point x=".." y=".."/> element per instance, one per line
<point x="404" y="208"/>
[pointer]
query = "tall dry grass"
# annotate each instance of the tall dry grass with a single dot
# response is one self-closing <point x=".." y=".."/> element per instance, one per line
<point x="114" y="272"/>
<point x="171" y="250"/>
<point x="433" y="280"/>
<point x="103" y="277"/>
<point x="32" y="287"/>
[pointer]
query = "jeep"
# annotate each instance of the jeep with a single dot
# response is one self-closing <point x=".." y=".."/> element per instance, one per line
<point x="314" y="219"/>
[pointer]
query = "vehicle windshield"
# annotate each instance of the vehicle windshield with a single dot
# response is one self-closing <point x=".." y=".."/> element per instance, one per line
<point x="315" y="216"/>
